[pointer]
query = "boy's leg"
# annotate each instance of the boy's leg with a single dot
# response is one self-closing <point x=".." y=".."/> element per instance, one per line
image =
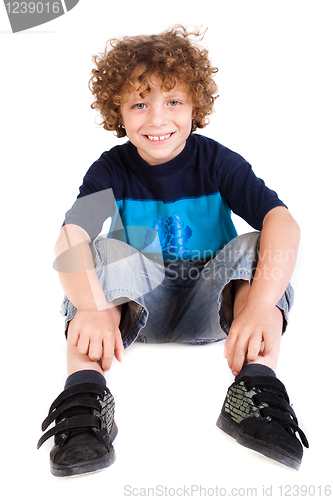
<point x="241" y="292"/>
<point x="83" y="413"/>
<point x="76" y="361"/>
<point x="256" y="411"/>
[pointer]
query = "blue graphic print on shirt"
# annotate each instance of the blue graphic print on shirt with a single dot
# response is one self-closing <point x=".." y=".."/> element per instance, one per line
<point x="173" y="235"/>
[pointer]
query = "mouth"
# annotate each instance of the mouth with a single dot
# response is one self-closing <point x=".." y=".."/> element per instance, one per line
<point x="159" y="138"/>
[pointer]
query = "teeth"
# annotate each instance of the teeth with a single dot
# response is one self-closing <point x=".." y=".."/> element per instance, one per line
<point x="158" y="138"/>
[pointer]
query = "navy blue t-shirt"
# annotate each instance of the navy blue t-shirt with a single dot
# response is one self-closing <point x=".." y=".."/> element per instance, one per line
<point x="182" y="207"/>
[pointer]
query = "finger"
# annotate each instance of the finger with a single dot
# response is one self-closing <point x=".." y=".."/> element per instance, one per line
<point x="254" y="347"/>
<point x="226" y="348"/>
<point x="108" y="353"/>
<point x="269" y="344"/>
<point x="72" y="334"/>
<point x="73" y="338"/>
<point x="238" y="360"/>
<point x="229" y="343"/>
<point x="262" y="347"/>
<point x="95" y="350"/>
<point x="235" y="351"/>
<point x="119" y="348"/>
<point x="83" y="344"/>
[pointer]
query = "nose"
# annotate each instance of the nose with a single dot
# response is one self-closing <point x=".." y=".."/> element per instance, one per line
<point x="157" y="116"/>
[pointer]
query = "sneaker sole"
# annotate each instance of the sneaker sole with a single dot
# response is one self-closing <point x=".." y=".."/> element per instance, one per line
<point x="256" y="445"/>
<point x="86" y="467"/>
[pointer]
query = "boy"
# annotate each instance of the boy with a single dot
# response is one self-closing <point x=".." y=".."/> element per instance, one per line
<point x="172" y="268"/>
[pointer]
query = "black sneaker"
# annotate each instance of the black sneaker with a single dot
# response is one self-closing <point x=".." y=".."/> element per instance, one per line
<point x="84" y="430"/>
<point x="256" y="412"/>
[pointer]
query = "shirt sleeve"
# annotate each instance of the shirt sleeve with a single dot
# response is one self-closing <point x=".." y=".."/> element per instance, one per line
<point x="94" y="204"/>
<point x="246" y="194"/>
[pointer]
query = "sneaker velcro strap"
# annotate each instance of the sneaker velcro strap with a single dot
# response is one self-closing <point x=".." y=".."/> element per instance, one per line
<point x="71" y="423"/>
<point x="271" y="399"/>
<point x="270" y="390"/>
<point x="270" y="384"/>
<point x="286" y="420"/>
<point x="74" y="390"/>
<point x="79" y="401"/>
<point x="86" y="398"/>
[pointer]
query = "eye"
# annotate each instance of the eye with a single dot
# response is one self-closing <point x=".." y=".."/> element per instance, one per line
<point x="174" y="102"/>
<point x="140" y="105"/>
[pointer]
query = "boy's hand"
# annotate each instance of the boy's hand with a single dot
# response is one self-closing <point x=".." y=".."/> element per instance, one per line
<point x="96" y="334"/>
<point x="256" y="331"/>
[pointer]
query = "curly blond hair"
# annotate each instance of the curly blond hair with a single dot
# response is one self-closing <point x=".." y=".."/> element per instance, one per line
<point x="171" y="55"/>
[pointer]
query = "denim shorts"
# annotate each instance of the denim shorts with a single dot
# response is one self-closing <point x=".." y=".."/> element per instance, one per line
<point x="175" y="301"/>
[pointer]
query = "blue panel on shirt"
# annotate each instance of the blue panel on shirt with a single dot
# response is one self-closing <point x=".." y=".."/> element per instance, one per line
<point x="191" y="228"/>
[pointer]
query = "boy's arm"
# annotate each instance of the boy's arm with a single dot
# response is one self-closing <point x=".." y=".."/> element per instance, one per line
<point x="93" y="329"/>
<point x="279" y="242"/>
<point x="75" y="266"/>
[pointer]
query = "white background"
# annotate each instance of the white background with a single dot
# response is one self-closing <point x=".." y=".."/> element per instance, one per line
<point x="275" y="109"/>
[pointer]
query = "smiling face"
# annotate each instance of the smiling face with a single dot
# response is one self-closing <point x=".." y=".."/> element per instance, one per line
<point x="158" y="124"/>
